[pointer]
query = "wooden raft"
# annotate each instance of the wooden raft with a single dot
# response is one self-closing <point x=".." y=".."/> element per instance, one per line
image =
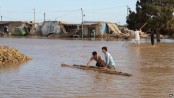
<point x="94" y="68"/>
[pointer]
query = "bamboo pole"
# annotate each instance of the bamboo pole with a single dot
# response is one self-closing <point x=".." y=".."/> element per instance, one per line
<point x="143" y="25"/>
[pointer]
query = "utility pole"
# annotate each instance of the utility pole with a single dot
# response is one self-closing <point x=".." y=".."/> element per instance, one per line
<point x="44" y="16"/>
<point x="34" y="17"/>
<point x="0" y="13"/>
<point x="82" y="21"/>
<point x="128" y="8"/>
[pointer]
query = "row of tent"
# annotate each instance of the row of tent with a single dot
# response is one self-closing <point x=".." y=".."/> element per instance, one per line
<point x="90" y="28"/>
<point x="17" y="27"/>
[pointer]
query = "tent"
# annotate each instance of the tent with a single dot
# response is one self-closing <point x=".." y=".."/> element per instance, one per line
<point x="114" y="28"/>
<point x="21" y="31"/>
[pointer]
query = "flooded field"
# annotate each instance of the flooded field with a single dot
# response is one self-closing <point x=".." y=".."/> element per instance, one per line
<point x="43" y="77"/>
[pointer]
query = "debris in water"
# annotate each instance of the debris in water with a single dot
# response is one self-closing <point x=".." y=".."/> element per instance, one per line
<point x="12" y="56"/>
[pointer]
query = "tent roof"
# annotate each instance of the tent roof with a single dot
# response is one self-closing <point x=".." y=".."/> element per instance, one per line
<point x="68" y="23"/>
<point x="94" y="22"/>
<point x="8" y="22"/>
<point x="114" y="27"/>
<point x="63" y="22"/>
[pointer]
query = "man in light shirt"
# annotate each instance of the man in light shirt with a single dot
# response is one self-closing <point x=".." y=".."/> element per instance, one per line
<point x="137" y="38"/>
<point x="109" y="61"/>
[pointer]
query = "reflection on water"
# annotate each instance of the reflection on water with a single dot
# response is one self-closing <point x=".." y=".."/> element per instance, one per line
<point x="4" y="68"/>
<point x="151" y="66"/>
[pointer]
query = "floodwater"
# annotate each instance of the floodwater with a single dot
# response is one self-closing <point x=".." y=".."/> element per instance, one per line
<point x="43" y="77"/>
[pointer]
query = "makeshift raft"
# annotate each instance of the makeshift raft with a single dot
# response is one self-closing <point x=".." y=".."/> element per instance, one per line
<point x="94" y="68"/>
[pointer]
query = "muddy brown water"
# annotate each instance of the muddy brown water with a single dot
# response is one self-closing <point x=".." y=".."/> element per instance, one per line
<point x="152" y="68"/>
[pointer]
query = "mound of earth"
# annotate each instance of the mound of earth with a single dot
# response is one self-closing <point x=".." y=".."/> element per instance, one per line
<point x="12" y="56"/>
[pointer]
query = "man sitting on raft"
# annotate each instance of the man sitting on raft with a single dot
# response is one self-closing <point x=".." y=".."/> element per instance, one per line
<point x="109" y="61"/>
<point x="99" y="61"/>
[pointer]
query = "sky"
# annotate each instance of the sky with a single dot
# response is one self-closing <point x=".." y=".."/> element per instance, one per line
<point x="66" y="10"/>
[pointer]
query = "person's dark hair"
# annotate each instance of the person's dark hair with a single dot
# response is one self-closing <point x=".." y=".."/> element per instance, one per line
<point x="104" y="48"/>
<point x="94" y="53"/>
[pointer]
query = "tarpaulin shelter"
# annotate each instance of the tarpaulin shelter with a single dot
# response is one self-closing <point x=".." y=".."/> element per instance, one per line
<point x="50" y="27"/>
<point x="11" y="25"/>
<point x="21" y="31"/>
<point x="59" y="27"/>
<point x="113" y="28"/>
<point x="98" y="28"/>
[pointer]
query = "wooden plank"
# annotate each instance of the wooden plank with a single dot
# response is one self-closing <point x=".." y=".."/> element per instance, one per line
<point x="94" y="68"/>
